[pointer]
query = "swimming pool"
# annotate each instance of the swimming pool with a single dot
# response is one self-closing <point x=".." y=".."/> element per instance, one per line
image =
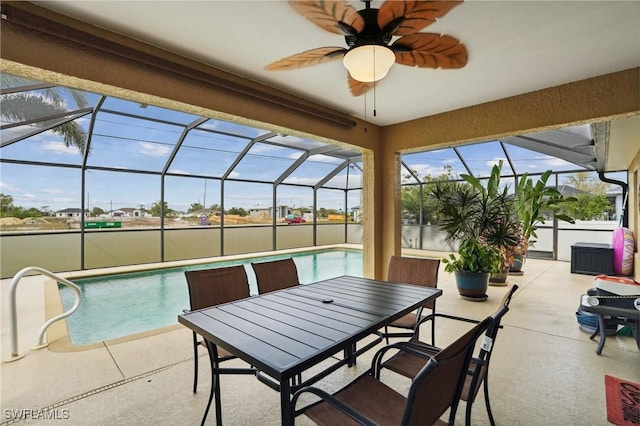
<point x="119" y="305"/>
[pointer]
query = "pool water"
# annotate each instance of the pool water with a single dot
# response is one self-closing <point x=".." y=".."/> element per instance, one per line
<point x="124" y="304"/>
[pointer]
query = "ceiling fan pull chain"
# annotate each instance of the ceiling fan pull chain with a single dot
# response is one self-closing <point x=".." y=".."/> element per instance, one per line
<point x="374" y="82"/>
<point x="374" y="99"/>
<point x="365" y="112"/>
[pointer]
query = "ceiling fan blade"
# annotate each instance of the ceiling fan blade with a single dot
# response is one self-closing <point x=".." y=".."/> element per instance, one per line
<point x="428" y="50"/>
<point x="307" y="58"/>
<point x="333" y="16"/>
<point x="358" y="87"/>
<point x="409" y="17"/>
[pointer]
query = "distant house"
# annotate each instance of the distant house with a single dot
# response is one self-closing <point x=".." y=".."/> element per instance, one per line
<point x="72" y="213"/>
<point x="281" y="211"/>
<point x="569" y="191"/>
<point x="256" y="212"/>
<point x="615" y="198"/>
<point x="128" y="212"/>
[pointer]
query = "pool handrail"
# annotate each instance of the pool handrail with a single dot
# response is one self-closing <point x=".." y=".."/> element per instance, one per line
<point x="13" y="311"/>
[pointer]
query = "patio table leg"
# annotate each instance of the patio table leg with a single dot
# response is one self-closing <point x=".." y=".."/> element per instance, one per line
<point x="215" y="384"/>
<point x="349" y="354"/>
<point x="286" y="415"/>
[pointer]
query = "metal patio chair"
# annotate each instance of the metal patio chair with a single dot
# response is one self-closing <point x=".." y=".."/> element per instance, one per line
<point x="418" y="271"/>
<point x="409" y="364"/>
<point x="211" y="287"/>
<point x="275" y="275"/>
<point x="435" y="389"/>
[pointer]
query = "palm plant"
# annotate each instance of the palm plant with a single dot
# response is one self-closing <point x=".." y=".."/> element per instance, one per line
<point x="36" y="107"/>
<point x="481" y="218"/>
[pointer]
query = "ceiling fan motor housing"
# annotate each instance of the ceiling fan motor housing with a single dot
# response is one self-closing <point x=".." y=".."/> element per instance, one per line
<point x="371" y="34"/>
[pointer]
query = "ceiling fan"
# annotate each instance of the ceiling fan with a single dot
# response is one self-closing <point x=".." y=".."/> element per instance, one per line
<point x="369" y="31"/>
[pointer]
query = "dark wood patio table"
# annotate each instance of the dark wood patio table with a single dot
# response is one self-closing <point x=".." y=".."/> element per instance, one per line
<point x="286" y="332"/>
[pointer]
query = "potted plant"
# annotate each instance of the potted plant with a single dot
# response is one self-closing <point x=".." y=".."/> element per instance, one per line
<point x="532" y="202"/>
<point x="482" y="221"/>
<point x="506" y="232"/>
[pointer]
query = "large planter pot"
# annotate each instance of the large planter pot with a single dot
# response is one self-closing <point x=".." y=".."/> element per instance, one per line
<point x="499" y="278"/>
<point x="515" y="268"/>
<point x="472" y="285"/>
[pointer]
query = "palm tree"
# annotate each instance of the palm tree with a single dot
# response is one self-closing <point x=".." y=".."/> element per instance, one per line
<point x="28" y="106"/>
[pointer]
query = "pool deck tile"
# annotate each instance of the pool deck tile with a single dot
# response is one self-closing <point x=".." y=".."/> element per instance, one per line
<point x="153" y="352"/>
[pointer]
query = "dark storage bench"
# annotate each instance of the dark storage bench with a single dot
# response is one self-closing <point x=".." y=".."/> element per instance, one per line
<point x="592" y="259"/>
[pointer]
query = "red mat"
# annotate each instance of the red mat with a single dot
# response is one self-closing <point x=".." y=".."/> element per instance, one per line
<point x="623" y="401"/>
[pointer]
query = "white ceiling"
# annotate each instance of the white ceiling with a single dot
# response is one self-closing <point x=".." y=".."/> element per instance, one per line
<point x="514" y="47"/>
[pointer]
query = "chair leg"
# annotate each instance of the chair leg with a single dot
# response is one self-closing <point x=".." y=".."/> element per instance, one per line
<point x="215" y="385"/>
<point x="386" y="334"/>
<point x="433" y="331"/>
<point x="195" y="362"/>
<point x="467" y="414"/>
<point x="486" y="401"/>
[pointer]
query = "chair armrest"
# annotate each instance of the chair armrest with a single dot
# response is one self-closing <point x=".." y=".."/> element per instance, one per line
<point x="431" y="317"/>
<point x="418" y="349"/>
<point x="331" y="400"/>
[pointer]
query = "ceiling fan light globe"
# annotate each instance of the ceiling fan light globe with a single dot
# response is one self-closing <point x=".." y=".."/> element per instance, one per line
<point x="369" y="63"/>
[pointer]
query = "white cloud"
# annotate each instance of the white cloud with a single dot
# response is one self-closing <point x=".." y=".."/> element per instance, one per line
<point x="295" y="155"/>
<point x="424" y="170"/>
<point x="52" y="191"/>
<point x="178" y="171"/>
<point x="556" y="162"/>
<point x="303" y="180"/>
<point x="153" y="149"/>
<point x="320" y="158"/>
<point x="60" y="148"/>
<point x="64" y="200"/>
<point x="495" y="161"/>
<point x="210" y="125"/>
<point x="6" y="187"/>
<point x="279" y="151"/>
<point x="27" y="197"/>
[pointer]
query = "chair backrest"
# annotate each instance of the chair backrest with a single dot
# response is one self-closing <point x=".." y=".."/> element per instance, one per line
<point x="492" y="331"/>
<point x="438" y="385"/>
<point x="414" y="270"/>
<point x="275" y="275"/>
<point x="481" y="368"/>
<point x="210" y="287"/>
